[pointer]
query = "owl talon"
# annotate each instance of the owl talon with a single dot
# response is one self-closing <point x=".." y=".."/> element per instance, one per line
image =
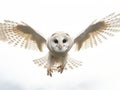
<point x="60" y="68"/>
<point x="49" y="72"/>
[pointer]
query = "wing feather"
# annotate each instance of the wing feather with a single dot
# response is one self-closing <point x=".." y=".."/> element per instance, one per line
<point x="98" y="31"/>
<point x="21" y="34"/>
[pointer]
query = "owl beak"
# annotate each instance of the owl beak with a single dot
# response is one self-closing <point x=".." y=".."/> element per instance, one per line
<point x="60" y="46"/>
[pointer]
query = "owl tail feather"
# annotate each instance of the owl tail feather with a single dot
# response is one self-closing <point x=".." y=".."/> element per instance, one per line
<point x="72" y="63"/>
<point x="42" y="62"/>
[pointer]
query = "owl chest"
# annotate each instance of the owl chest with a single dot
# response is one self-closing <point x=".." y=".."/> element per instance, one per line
<point x="57" y="59"/>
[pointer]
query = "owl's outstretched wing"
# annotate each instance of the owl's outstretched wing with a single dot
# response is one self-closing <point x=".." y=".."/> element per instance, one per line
<point x="21" y="35"/>
<point x="98" y="31"/>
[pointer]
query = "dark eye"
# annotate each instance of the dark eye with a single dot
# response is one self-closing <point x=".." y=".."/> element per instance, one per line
<point x="64" y="40"/>
<point x="55" y="41"/>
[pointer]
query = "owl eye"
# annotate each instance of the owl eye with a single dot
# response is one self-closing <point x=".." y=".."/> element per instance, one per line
<point x="64" y="40"/>
<point x="55" y="41"/>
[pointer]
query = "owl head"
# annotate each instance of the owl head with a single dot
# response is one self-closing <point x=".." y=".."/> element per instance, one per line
<point x="60" y="42"/>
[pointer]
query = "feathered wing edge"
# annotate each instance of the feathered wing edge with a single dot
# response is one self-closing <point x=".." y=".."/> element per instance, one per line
<point x="98" y="31"/>
<point x="21" y="34"/>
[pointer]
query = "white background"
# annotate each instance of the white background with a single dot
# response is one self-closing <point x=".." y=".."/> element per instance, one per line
<point x="100" y="69"/>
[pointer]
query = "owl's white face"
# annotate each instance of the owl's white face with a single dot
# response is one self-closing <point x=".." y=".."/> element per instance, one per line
<point x="60" y="42"/>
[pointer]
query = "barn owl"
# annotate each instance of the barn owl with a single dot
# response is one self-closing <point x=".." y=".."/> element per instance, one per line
<point x="59" y="43"/>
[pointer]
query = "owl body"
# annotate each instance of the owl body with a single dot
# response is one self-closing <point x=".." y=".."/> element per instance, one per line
<point x="59" y="43"/>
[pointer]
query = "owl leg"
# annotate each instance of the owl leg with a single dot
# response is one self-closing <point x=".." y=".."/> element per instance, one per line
<point x="50" y="64"/>
<point x="60" y="68"/>
<point x="49" y="71"/>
